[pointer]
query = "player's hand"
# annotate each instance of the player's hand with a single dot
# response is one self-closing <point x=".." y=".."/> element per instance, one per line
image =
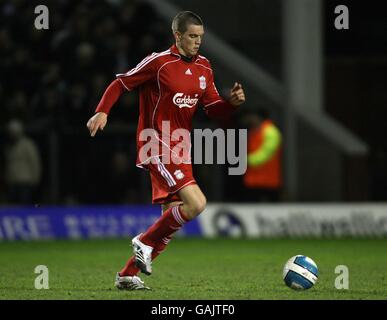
<point x="98" y="121"/>
<point x="237" y="95"/>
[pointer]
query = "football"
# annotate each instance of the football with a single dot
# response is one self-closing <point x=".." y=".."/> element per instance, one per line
<point x="300" y="272"/>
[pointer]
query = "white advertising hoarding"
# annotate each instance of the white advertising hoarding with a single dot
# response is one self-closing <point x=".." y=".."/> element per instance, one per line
<point x="294" y="220"/>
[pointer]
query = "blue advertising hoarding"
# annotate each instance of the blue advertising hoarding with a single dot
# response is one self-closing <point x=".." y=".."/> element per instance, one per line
<point x="85" y="222"/>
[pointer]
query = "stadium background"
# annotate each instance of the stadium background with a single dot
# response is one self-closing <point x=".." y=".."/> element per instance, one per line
<point x="323" y="86"/>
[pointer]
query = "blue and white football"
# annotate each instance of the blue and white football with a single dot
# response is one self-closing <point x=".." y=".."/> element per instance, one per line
<point x="300" y="272"/>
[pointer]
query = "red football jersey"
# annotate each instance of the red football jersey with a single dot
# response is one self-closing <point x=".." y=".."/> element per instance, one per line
<point x="170" y="89"/>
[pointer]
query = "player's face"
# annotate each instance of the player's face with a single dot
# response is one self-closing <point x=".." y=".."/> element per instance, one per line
<point x="191" y="40"/>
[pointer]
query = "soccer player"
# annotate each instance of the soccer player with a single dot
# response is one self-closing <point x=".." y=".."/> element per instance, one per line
<point x="172" y="84"/>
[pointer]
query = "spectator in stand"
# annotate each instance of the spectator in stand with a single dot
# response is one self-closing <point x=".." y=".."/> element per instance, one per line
<point x="263" y="178"/>
<point x="22" y="166"/>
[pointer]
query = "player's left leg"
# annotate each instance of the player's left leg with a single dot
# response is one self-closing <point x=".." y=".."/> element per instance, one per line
<point x="151" y="243"/>
<point x="127" y="278"/>
<point x="130" y="268"/>
<point x="170" y="222"/>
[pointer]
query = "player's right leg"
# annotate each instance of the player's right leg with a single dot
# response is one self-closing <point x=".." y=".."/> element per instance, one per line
<point x="181" y="199"/>
<point x="129" y="283"/>
<point x="174" y="215"/>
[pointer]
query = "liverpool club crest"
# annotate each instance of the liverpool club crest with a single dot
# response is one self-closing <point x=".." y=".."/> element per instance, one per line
<point x="202" y="82"/>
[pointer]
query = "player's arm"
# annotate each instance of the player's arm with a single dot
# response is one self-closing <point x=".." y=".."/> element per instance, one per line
<point x="218" y="108"/>
<point x="109" y="98"/>
<point x="237" y="95"/>
<point x="143" y="72"/>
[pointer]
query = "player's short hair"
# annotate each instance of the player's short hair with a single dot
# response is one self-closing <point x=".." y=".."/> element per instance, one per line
<point x="184" y="18"/>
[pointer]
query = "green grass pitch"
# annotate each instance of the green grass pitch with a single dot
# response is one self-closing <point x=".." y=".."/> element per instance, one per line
<point x="194" y="268"/>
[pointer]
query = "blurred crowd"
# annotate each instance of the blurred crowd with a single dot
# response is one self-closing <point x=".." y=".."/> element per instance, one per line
<point x="52" y="80"/>
<point x="59" y="74"/>
<point x="51" y="83"/>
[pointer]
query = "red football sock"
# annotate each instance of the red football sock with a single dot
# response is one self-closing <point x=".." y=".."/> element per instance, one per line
<point x="170" y="221"/>
<point x="130" y="268"/>
<point x="157" y="236"/>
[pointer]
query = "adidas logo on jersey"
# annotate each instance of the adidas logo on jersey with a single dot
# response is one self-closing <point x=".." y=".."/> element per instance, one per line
<point x="188" y="72"/>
